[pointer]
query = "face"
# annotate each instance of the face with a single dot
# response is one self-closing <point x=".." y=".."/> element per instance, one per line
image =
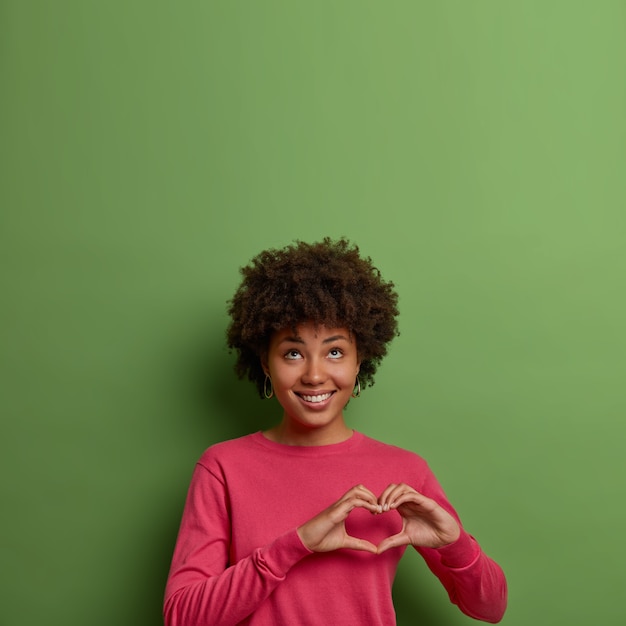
<point x="313" y="372"/>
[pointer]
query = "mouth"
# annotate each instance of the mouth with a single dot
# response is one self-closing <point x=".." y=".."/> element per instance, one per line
<point x="316" y="398"/>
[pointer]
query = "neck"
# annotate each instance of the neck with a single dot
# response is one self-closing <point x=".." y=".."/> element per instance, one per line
<point x="282" y="433"/>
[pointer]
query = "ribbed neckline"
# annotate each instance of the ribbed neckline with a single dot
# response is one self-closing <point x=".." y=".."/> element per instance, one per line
<point x="309" y="451"/>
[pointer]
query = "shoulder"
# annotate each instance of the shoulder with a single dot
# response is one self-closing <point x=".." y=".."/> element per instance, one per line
<point x="394" y="464"/>
<point x="391" y="453"/>
<point x="228" y="451"/>
<point x="231" y="459"/>
<point x="387" y="448"/>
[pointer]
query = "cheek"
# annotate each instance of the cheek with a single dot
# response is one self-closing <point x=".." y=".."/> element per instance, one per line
<point x="283" y="376"/>
<point x="348" y="376"/>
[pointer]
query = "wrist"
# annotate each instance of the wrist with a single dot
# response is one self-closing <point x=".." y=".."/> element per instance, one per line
<point x="460" y="553"/>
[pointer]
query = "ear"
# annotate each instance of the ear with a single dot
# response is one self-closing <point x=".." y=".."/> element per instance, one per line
<point x="265" y="364"/>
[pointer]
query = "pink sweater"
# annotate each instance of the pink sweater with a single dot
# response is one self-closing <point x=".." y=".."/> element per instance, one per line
<point x="239" y="560"/>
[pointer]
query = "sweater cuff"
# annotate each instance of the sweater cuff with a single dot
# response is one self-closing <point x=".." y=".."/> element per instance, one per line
<point x="460" y="553"/>
<point x="284" y="552"/>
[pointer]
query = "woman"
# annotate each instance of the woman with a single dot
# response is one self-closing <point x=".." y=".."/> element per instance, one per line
<point x="305" y="523"/>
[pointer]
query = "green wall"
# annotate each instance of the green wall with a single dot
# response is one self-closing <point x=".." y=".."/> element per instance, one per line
<point x="475" y="150"/>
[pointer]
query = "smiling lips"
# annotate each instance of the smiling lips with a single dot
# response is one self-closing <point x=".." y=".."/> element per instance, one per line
<point x="316" y="398"/>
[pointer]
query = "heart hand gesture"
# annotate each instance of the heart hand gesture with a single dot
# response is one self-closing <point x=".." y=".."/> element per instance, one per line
<point x="424" y="522"/>
<point x="327" y="531"/>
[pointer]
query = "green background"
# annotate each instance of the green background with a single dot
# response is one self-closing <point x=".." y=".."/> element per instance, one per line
<point x="475" y="150"/>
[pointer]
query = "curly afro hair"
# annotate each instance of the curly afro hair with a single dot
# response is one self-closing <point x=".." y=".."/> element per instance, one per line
<point x="326" y="283"/>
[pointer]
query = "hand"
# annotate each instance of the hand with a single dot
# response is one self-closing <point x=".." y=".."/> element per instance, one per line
<point x="327" y="531"/>
<point x="424" y="522"/>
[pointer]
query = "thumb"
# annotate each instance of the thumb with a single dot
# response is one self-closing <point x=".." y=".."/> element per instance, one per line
<point x="359" y="544"/>
<point x="394" y="541"/>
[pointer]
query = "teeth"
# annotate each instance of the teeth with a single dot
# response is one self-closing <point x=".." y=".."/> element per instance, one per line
<point x="321" y="398"/>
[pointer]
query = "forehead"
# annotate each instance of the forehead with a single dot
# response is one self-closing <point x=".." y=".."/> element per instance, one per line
<point x="308" y="332"/>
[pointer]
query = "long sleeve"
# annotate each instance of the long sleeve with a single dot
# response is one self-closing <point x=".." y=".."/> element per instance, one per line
<point x="239" y="560"/>
<point x="474" y="582"/>
<point x="203" y="588"/>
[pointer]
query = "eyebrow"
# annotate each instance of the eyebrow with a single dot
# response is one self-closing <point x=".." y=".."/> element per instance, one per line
<point x="335" y="338"/>
<point x="296" y="339"/>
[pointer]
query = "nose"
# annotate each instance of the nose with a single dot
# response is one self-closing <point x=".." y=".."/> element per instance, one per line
<point x="314" y="373"/>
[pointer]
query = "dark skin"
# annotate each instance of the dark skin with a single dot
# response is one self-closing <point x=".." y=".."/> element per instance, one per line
<point x="313" y="369"/>
<point x="424" y="522"/>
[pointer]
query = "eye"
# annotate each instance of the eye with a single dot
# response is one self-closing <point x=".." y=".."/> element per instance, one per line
<point x="335" y="353"/>
<point x="292" y="355"/>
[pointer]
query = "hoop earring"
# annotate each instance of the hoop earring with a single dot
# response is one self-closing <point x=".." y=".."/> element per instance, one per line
<point x="356" y="392"/>
<point x="267" y="383"/>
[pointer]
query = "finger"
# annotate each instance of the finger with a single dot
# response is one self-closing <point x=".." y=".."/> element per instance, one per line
<point x="391" y="495"/>
<point x="346" y="505"/>
<point x="359" y="544"/>
<point x="363" y="488"/>
<point x="364" y="495"/>
<point x="413" y="497"/>
<point x="395" y="541"/>
<point x="383" y="499"/>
